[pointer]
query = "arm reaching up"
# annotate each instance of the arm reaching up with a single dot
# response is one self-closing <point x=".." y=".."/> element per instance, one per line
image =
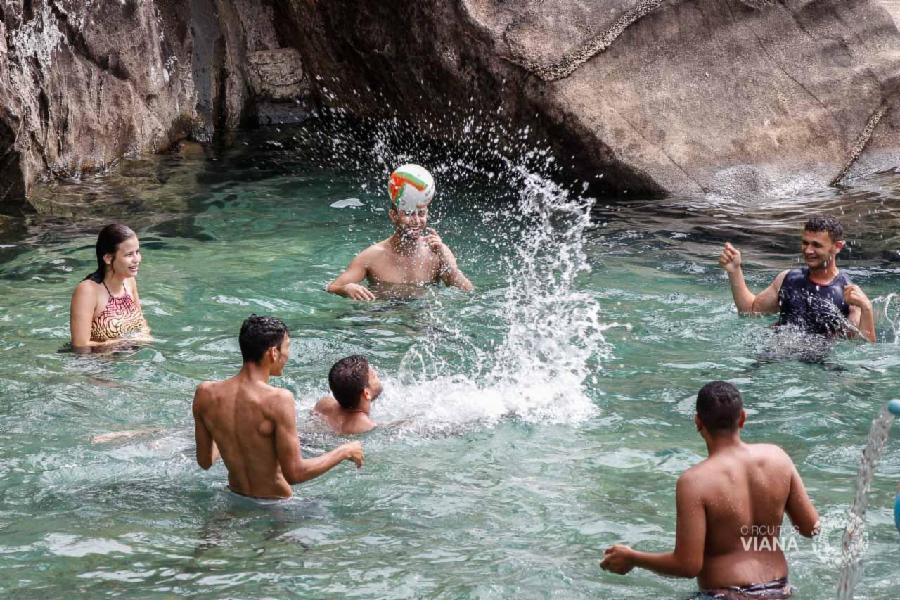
<point x="450" y="273"/>
<point x="766" y="302"/>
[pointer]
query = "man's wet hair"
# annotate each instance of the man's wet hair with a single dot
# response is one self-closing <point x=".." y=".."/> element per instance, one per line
<point x="719" y="406"/>
<point x="825" y="223"/>
<point x="347" y="380"/>
<point x="258" y="334"/>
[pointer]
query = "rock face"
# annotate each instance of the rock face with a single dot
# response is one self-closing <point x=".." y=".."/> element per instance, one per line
<point x="678" y="96"/>
<point x="86" y="82"/>
<point x="733" y="97"/>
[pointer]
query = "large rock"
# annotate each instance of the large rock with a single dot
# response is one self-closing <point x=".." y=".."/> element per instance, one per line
<point x="731" y="97"/>
<point x="694" y="96"/>
<point x="83" y="84"/>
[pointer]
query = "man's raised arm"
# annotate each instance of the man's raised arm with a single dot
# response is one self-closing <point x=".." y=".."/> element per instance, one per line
<point x="294" y="467"/>
<point x="766" y="302"/>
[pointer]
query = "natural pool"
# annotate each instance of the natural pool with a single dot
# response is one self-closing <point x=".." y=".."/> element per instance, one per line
<point x="547" y="415"/>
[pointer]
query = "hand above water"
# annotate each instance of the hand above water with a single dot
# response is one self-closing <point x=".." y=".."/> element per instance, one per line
<point x="854" y="296"/>
<point x="358" y="292"/>
<point x="354" y="451"/>
<point x="617" y="559"/>
<point x="730" y="259"/>
<point x="434" y="242"/>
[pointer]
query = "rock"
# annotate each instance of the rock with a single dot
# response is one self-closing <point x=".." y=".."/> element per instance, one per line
<point x="84" y="83"/>
<point x="731" y="97"/>
<point x="686" y="97"/>
<point x="276" y="74"/>
<point x="281" y="113"/>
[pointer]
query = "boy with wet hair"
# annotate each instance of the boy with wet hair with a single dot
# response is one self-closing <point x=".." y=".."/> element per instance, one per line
<point x="825" y="223"/>
<point x="729" y="509"/>
<point x="253" y="425"/>
<point x="354" y="386"/>
<point x="818" y="298"/>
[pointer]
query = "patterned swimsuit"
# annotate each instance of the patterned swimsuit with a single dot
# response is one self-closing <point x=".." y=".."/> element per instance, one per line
<point x="120" y="317"/>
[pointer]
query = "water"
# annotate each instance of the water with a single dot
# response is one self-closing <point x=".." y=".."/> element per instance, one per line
<point x="854" y="535"/>
<point x="543" y="417"/>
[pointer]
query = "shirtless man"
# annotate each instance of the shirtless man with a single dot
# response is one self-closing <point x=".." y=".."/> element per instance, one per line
<point x="817" y="298"/>
<point x="413" y="257"/>
<point x="729" y="509"/>
<point x="253" y="425"/>
<point x="354" y="385"/>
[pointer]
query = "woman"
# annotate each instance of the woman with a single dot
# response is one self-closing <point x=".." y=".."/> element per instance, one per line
<point x="106" y="306"/>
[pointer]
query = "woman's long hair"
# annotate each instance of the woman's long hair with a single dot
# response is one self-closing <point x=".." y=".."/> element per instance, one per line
<point x="108" y="243"/>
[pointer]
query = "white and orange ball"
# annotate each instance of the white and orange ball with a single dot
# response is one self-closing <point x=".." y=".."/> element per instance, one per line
<point x="410" y="187"/>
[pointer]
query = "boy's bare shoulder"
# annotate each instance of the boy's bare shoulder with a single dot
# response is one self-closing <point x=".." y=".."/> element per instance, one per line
<point x="375" y="250"/>
<point x="325" y="405"/>
<point x="205" y="389"/>
<point x="770" y="453"/>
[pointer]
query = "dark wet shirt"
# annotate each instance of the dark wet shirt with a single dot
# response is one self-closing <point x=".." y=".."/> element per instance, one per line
<point x="811" y="307"/>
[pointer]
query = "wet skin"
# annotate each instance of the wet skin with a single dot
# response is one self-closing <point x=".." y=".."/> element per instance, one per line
<point x="401" y="265"/>
<point x="725" y="507"/>
<point x="350" y="421"/>
<point x="819" y="253"/>
<point x="253" y="427"/>
<point x="90" y="298"/>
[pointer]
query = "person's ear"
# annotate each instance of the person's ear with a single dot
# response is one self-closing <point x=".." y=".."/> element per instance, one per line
<point x="840" y="245"/>
<point x="108" y="258"/>
<point x="698" y="422"/>
<point x="743" y="419"/>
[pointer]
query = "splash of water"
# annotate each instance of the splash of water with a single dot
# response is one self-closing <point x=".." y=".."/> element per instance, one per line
<point x="551" y="333"/>
<point x="538" y="337"/>
<point x="892" y="319"/>
<point x="852" y="546"/>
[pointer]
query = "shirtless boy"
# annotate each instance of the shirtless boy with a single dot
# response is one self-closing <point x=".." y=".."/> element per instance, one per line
<point x="413" y="257"/>
<point x="354" y="385"/>
<point x="817" y="298"/>
<point x="253" y="425"/>
<point x="729" y="510"/>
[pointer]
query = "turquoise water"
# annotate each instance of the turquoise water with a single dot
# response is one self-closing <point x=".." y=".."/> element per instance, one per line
<point x="544" y="417"/>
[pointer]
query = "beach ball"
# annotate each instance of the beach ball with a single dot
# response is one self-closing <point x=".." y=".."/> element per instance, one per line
<point x="410" y="187"/>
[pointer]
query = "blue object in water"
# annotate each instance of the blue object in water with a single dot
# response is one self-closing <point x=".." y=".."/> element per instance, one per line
<point x="897" y="511"/>
<point x="894" y="407"/>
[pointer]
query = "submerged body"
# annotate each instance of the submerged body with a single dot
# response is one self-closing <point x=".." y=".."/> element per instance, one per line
<point x="744" y="491"/>
<point x="355" y="385"/>
<point x="817" y="299"/>
<point x="106" y="306"/>
<point x="729" y="509"/>
<point x="403" y="264"/>
<point x="341" y="421"/>
<point x="252" y="425"/>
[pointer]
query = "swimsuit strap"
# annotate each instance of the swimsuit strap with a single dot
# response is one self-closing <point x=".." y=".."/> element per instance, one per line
<point x="111" y="294"/>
